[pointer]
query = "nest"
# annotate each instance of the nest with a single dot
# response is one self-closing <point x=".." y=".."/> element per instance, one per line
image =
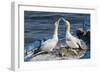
<point x="69" y="53"/>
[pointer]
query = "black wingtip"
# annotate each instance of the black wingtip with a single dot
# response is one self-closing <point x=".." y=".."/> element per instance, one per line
<point x="79" y="46"/>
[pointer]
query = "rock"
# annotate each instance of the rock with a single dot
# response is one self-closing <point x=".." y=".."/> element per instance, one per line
<point x="45" y="57"/>
<point x="85" y="36"/>
<point x="80" y="33"/>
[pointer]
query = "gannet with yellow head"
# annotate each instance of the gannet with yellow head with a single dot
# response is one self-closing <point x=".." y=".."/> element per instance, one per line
<point x="71" y="41"/>
<point x="50" y="44"/>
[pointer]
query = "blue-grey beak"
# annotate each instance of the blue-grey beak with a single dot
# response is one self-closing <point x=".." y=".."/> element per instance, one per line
<point x="63" y="19"/>
<point x="60" y="19"/>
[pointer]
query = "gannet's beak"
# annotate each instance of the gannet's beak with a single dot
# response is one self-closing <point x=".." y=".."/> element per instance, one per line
<point x="58" y="20"/>
<point x="66" y="21"/>
<point x="63" y="19"/>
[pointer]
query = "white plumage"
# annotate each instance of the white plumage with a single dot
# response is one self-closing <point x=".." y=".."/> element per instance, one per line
<point x="49" y="45"/>
<point x="71" y="41"/>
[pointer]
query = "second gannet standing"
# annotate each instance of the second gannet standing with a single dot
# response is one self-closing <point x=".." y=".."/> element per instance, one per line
<point x="71" y="41"/>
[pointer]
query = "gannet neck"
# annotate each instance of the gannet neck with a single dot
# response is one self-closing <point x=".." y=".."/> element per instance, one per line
<point x="67" y="26"/>
<point x="55" y="35"/>
<point x="68" y="34"/>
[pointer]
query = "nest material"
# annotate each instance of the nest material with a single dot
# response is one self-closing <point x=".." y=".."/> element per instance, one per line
<point x="69" y="53"/>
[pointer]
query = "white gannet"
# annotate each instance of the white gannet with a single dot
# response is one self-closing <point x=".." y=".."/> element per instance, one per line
<point x="71" y="41"/>
<point x="50" y="44"/>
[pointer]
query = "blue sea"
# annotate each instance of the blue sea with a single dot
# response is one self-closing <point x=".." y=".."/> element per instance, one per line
<point x="40" y="25"/>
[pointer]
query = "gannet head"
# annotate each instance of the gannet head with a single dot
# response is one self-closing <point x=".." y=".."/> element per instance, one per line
<point x="67" y="23"/>
<point x="56" y="24"/>
<point x="59" y="20"/>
